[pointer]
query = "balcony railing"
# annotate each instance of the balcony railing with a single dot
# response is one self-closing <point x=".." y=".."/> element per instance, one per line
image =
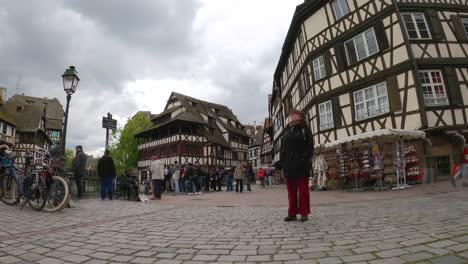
<point x="7" y="139"/>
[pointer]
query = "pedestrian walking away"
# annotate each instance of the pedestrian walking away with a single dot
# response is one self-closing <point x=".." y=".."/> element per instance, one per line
<point x="157" y="174"/>
<point x="239" y="175"/>
<point x="296" y="155"/>
<point x="249" y="175"/>
<point x="229" y="180"/>
<point x="460" y="169"/>
<point x="106" y="173"/>
<point x="175" y="177"/>
<point x="269" y="175"/>
<point x="79" y="169"/>
<point x="261" y="176"/>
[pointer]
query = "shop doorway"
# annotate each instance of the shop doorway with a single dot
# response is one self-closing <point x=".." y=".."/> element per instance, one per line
<point x="441" y="167"/>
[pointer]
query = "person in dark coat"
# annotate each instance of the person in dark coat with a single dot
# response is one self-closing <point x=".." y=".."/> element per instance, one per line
<point x="79" y="169"/>
<point x="296" y="155"/>
<point x="106" y="173"/>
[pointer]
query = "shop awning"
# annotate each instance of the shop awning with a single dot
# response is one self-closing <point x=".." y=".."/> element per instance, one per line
<point x="384" y="135"/>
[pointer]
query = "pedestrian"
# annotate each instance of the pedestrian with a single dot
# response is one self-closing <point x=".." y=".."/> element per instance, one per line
<point x="206" y="178"/>
<point x="79" y="169"/>
<point x="197" y="178"/>
<point x="296" y="154"/>
<point x="269" y="176"/>
<point x="183" y="180"/>
<point x="461" y="171"/>
<point x="219" y="178"/>
<point x="261" y="176"/>
<point x="157" y="174"/>
<point x="106" y="173"/>
<point x="213" y="179"/>
<point x="239" y="175"/>
<point x="249" y="175"/>
<point x="190" y="179"/>
<point x="229" y="180"/>
<point x="175" y="177"/>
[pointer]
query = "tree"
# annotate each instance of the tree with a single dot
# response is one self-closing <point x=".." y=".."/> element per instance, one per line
<point x="69" y="154"/>
<point x="125" y="149"/>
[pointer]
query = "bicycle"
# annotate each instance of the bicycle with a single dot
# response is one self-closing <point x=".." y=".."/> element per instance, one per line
<point x="58" y="191"/>
<point x="57" y="186"/>
<point x="30" y="186"/>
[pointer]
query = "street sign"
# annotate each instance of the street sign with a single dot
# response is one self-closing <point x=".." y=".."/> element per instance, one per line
<point x="108" y="122"/>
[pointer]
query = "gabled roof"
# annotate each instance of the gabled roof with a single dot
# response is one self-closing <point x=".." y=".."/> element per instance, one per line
<point x="258" y="139"/>
<point x="54" y="109"/>
<point x="6" y="117"/>
<point x="217" y="111"/>
<point x="303" y="11"/>
<point x="27" y="116"/>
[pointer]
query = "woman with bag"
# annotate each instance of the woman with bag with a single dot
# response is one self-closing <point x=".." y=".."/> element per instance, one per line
<point x="296" y="154"/>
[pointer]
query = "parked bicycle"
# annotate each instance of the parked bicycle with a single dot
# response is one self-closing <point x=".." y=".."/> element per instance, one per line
<point x="39" y="184"/>
<point x="22" y="186"/>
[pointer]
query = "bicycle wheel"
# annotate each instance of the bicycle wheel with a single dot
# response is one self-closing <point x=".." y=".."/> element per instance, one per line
<point x="37" y="194"/>
<point x="58" y="195"/>
<point x="9" y="194"/>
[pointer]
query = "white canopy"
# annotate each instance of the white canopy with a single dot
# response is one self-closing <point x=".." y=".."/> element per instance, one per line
<point x="384" y="135"/>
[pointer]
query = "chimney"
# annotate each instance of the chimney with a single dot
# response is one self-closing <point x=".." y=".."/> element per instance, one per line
<point x="3" y="92"/>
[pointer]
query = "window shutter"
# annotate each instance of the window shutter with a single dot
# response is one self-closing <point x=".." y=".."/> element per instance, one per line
<point x="459" y="29"/>
<point x="453" y="87"/>
<point x="393" y="94"/>
<point x="351" y="52"/>
<point x="306" y="76"/>
<point x="312" y="73"/>
<point x="381" y="36"/>
<point x="435" y="24"/>
<point x="336" y="108"/>
<point x="340" y="57"/>
<point x="300" y="87"/>
<point x="328" y="63"/>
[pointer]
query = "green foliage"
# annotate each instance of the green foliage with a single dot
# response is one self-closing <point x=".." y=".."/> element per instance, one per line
<point x="124" y="150"/>
<point x="70" y="154"/>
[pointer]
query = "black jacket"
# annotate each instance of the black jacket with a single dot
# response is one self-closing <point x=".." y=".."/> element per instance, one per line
<point x="106" y="167"/>
<point x="296" y="151"/>
<point x="79" y="164"/>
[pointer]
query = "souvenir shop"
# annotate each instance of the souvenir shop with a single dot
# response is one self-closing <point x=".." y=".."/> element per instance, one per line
<point x="378" y="160"/>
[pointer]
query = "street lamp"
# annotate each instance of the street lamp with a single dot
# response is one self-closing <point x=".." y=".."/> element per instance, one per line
<point x="70" y="82"/>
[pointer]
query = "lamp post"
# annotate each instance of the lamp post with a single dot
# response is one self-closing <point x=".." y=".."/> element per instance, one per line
<point x="70" y="82"/>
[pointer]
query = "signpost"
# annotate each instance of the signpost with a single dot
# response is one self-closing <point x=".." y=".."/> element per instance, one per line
<point x="108" y="123"/>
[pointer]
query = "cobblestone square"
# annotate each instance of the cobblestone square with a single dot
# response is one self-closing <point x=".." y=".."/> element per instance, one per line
<point x="414" y="226"/>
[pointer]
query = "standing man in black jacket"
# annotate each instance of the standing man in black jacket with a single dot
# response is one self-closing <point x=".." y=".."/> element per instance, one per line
<point x="296" y="155"/>
<point x="79" y="169"/>
<point x="106" y="173"/>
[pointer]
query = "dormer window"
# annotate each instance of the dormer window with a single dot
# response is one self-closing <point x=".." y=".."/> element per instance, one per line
<point x="19" y="109"/>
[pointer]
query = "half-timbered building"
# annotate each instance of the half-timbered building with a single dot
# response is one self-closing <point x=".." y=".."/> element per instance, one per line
<point x="7" y="122"/>
<point x="255" y="144"/>
<point x="355" y="66"/>
<point x="54" y="114"/>
<point x="266" y="144"/>
<point x="31" y="130"/>
<point x="190" y="130"/>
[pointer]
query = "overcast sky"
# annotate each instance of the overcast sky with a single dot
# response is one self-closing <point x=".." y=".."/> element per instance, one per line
<point x="131" y="55"/>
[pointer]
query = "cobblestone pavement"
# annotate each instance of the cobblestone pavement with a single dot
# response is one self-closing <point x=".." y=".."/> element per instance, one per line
<point x="431" y="228"/>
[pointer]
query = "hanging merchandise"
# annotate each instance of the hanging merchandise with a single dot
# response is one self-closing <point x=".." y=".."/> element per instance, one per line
<point x="343" y="167"/>
<point x="355" y="160"/>
<point x="412" y="164"/>
<point x="321" y="168"/>
<point x="400" y="165"/>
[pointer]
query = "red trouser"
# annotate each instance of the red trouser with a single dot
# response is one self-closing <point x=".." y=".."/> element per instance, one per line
<point x="298" y="196"/>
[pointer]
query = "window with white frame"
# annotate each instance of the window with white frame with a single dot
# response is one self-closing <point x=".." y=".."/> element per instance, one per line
<point x="433" y="88"/>
<point x="465" y="25"/>
<point x="416" y="26"/>
<point x="363" y="45"/>
<point x="340" y="8"/>
<point x="371" y="101"/>
<point x="326" y="115"/>
<point x="319" y="68"/>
